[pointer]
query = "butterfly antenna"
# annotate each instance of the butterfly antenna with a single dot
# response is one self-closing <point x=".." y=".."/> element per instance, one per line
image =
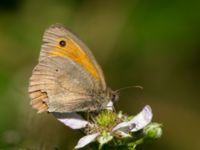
<point x="130" y="87"/>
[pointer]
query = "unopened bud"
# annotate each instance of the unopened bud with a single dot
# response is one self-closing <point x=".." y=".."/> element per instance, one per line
<point x="153" y="131"/>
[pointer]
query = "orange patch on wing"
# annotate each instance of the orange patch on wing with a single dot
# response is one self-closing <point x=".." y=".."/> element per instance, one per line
<point x="73" y="51"/>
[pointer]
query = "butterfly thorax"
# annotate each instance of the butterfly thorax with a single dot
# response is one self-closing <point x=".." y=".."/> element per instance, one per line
<point x="102" y="98"/>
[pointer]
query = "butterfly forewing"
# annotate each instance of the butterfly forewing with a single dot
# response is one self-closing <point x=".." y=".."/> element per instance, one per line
<point x="67" y="76"/>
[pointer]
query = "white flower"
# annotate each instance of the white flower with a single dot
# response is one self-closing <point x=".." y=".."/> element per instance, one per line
<point x="75" y="121"/>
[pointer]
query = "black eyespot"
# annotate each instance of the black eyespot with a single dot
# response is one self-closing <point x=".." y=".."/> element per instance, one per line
<point x="62" y="43"/>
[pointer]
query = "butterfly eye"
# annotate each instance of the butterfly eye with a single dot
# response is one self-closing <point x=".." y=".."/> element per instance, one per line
<point x="62" y="43"/>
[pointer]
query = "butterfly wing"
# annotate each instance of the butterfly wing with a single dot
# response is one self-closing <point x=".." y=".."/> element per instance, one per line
<point x="67" y="74"/>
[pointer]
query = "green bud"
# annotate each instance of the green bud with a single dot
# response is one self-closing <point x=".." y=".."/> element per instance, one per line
<point x="153" y="131"/>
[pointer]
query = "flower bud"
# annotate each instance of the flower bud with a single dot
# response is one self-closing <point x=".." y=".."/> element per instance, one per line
<point x="153" y="131"/>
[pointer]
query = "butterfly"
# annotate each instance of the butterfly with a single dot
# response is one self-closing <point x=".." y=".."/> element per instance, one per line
<point x="67" y="77"/>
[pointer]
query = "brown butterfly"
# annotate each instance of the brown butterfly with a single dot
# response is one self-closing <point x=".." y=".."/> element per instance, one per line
<point x="67" y="77"/>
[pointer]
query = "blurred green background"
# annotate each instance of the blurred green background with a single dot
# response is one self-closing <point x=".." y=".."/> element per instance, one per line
<point x="154" y="44"/>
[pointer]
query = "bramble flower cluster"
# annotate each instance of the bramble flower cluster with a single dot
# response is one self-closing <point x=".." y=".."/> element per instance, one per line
<point x="113" y="129"/>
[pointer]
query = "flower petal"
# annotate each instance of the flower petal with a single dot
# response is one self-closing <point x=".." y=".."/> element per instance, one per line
<point x="122" y="126"/>
<point x="109" y="105"/>
<point x="72" y="120"/>
<point x="86" y="140"/>
<point x="142" y="119"/>
<point x="104" y="138"/>
<point x="138" y="122"/>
